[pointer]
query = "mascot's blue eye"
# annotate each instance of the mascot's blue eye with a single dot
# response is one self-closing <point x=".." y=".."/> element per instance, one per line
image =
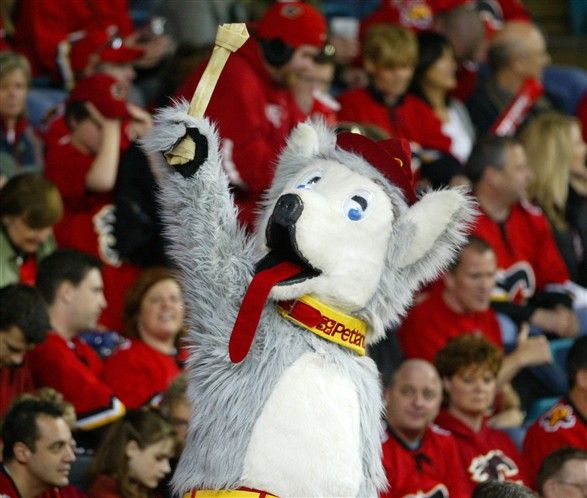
<point x="310" y="180"/>
<point x="357" y="205"/>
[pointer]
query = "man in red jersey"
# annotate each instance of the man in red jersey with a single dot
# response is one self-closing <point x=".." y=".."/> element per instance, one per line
<point x="532" y="279"/>
<point x="461" y="304"/>
<point x="38" y="450"/>
<point x="252" y="105"/>
<point x="419" y="458"/>
<point x="71" y="283"/>
<point x="565" y="424"/>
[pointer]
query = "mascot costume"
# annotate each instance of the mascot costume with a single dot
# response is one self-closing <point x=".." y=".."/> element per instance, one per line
<point x="285" y="402"/>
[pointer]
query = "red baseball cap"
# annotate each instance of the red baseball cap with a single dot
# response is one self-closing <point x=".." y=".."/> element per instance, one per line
<point x="295" y="23"/>
<point x="392" y="157"/>
<point x="105" y="47"/>
<point x="108" y="94"/>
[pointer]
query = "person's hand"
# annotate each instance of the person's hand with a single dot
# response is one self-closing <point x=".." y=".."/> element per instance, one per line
<point x="155" y="48"/>
<point x="532" y="350"/>
<point x="106" y="124"/>
<point x="561" y="321"/>
<point x="141" y="122"/>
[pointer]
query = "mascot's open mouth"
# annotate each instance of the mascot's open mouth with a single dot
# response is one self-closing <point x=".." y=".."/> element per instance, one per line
<point x="282" y="245"/>
<point x="283" y="265"/>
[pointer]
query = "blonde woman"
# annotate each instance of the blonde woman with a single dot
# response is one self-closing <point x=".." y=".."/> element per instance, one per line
<point x="556" y="153"/>
<point x="20" y="148"/>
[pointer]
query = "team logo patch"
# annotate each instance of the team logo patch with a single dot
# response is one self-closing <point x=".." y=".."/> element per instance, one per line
<point x="558" y="417"/>
<point x="438" y="491"/>
<point x="118" y="91"/>
<point x="417" y="13"/>
<point x="291" y="11"/>
<point x="517" y="282"/>
<point x="104" y="228"/>
<point x="493" y="466"/>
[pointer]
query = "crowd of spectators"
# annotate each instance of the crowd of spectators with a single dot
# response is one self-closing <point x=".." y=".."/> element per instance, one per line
<point x="485" y="378"/>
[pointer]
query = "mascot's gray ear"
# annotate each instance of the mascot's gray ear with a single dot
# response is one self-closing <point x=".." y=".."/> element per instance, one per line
<point x="439" y="219"/>
<point x="303" y="141"/>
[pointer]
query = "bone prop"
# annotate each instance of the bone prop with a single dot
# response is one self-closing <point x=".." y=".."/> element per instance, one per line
<point x="229" y="38"/>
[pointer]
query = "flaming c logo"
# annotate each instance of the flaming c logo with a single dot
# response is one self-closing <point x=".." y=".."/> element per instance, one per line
<point x="494" y="465"/>
<point x="438" y="491"/>
<point x="559" y="417"/>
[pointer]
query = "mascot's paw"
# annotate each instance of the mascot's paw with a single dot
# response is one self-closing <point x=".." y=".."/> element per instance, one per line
<point x="173" y="125"/>
<point x="190" y="168"/>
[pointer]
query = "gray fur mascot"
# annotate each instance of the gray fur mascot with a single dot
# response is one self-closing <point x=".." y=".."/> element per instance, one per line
<point x="285" y="401"/>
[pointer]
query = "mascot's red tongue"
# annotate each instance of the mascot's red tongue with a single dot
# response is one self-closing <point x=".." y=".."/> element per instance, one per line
<point x="249" y="313"/>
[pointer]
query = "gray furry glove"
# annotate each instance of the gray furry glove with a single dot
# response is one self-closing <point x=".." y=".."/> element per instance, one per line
<point x="188" y="169"/>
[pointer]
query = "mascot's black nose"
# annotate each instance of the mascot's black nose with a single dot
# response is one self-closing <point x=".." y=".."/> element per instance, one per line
<point x="288" y="209"/>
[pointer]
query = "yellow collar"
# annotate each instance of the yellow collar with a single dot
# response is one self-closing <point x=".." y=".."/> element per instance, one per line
<point x="228" y="493"/>
<point x="328" y="323"/>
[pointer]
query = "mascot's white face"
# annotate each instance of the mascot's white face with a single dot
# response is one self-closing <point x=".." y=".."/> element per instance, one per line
<point x="337" y="224"/>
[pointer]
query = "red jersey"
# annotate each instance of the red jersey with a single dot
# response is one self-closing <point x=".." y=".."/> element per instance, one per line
<point x="74" y="369"/>
<point x="560" y="426"/>
<point x="69" y="491"/>
<point x="14" y="380"/>
<point x="88" y="222"/>
<point x="430" y="471"/>
<point x="104" y="487"/>
<point x="366" y="106"/>
<point x="487" y="454"/>
<point x="8" y="489"/>
<point x="7" y="486"/>
<point x="527" y="255"/>
<point x="139" y="374"/>
<point x="419" y="123"/>
<point x="41" y="25"/>
<point x="418" y="15"/>
<point x="430" y="324"/>
<point x="67" y="167"/>
<point x="251" y="139"/>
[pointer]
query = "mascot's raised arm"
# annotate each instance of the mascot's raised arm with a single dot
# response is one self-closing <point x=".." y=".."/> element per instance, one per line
<point x="285" y="401"/>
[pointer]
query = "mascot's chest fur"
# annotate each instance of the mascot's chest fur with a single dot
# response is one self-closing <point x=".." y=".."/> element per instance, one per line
<point x="285" y="445"/>
<point x="287" y="404"/>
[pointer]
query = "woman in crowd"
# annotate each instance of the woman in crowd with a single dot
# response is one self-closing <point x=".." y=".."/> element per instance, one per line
<point x="468" y="366"/>
<point x="20" y="149"/>
<point x="143" y="367"/>
<point x="389" y="55"/>
<point x="29" y="207"/>
<point x="133" y="457"/>
<point x="428" y="115"/>
<point x="556" y="153"/>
